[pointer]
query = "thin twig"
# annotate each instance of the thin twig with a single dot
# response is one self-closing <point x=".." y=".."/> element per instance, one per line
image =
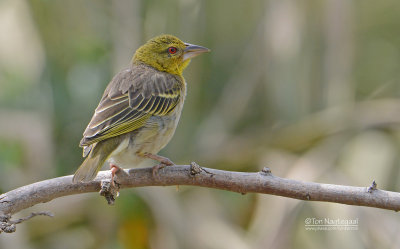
<point x="45" y="213"/>
<point x="9" y="226"/>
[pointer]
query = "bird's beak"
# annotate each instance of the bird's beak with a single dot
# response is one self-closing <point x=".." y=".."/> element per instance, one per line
<point x="193" y="50"/>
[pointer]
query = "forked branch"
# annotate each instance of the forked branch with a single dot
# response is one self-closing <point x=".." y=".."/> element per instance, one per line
<point x="242" y="182"/>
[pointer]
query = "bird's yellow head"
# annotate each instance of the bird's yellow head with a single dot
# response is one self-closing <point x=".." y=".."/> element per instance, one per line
<point x="167" y="53"/>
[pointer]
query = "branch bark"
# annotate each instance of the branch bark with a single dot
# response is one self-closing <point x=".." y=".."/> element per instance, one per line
<point x="242" y="182"/>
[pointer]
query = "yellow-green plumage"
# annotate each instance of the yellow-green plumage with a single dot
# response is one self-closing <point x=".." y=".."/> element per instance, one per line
<point x="140" y="107"/>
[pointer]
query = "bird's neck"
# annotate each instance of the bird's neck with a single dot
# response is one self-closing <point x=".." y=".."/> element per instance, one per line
<point x="181" y="79"/>
<point x="173" y="67"/>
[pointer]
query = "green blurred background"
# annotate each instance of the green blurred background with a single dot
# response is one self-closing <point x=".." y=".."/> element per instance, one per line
<point x="310" y="89"/>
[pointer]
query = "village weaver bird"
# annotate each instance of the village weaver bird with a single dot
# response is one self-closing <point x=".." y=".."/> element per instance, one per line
<point x="140" y="109"/>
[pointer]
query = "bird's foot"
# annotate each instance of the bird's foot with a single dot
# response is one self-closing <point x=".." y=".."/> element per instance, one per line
<point x="164" y="161"/>
<point x="157" y="167"/>
<point x="114" y="169"/>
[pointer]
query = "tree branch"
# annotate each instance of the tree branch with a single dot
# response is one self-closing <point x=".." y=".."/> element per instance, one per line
<point x="241" y="182"/>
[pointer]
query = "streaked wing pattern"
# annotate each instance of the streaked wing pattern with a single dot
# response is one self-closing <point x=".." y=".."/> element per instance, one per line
<point x="131" y="98"/>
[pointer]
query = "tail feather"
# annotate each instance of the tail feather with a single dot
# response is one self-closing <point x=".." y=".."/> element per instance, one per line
<point x="88" y="169"/>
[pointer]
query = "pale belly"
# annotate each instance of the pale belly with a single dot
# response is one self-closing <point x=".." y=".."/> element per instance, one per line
<point x="154" y="136"/>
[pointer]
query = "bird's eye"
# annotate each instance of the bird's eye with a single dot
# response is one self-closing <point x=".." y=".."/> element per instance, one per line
<point x="172" y="50"/>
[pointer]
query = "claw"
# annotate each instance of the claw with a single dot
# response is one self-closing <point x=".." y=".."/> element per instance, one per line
<point x="157" y="167"/>
<point x="164" y="161"/>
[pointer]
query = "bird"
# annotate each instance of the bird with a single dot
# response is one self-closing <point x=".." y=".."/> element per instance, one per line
<point x="139" y="110"/>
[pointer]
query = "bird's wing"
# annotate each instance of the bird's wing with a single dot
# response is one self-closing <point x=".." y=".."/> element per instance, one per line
<point x="133" y="96"/>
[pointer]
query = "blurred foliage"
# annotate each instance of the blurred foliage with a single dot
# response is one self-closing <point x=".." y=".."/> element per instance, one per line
<point x="308" y="88"/>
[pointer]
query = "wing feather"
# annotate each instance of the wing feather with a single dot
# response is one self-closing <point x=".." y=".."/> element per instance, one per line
<point x="130" y="99"/>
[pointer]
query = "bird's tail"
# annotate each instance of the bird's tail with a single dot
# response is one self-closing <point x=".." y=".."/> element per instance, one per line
<point x="89" y="168"/>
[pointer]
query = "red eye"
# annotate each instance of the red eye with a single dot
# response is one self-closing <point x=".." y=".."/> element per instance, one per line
<point x="172" y="50"/>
